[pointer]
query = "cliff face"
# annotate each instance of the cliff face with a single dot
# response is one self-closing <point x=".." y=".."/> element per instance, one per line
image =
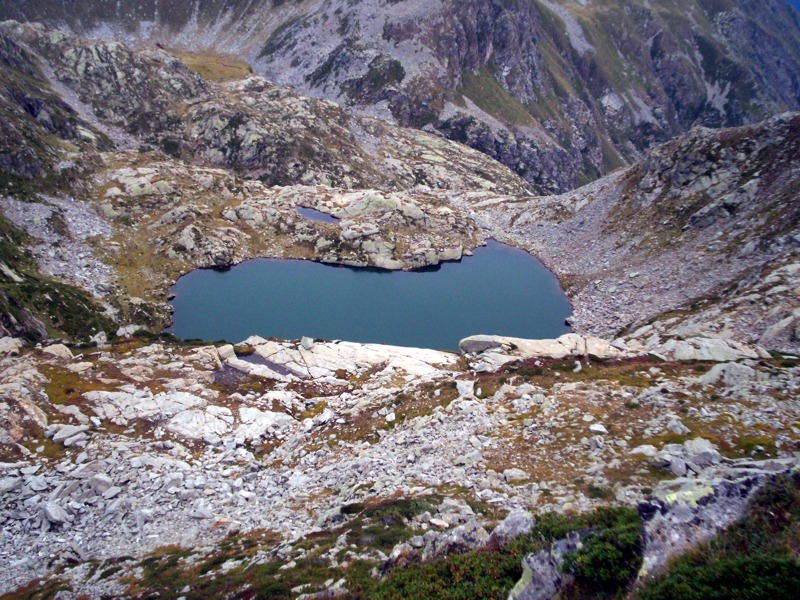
<point x="560" y="91"/>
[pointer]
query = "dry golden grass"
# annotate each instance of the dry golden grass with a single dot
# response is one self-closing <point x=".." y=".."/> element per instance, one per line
<point x="215" y="67"/>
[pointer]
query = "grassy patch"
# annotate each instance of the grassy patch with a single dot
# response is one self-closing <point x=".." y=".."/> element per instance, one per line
<point x="486" y="92"/>
<point x="66" y="387"/>
<point x="215" y="67"/>
<point x="38" y="589"/>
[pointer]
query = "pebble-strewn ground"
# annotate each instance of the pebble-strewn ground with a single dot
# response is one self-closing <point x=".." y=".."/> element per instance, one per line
<point x="122" y="450"/>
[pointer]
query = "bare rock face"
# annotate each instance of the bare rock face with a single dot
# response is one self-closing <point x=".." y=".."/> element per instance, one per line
<point x="559" y="91"/>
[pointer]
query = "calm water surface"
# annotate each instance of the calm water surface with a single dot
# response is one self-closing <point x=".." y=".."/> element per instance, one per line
<point x="500" y="290"/>
<point x="315" y="215"/>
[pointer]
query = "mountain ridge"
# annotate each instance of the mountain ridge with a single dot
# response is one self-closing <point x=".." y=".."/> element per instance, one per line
<point x="560" y="92"/>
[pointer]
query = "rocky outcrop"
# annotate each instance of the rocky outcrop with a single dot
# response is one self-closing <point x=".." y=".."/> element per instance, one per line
<point x="250" y="126"/>
<point x="687" y="512"/>
<point x="177" y="444"/>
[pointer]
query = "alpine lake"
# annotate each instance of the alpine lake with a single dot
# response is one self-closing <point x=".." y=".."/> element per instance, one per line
<point x="500" y="290"/>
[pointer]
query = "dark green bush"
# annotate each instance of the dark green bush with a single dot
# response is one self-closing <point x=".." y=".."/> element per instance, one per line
<point x="611" y="555"/>
<point x="743" y="577"/>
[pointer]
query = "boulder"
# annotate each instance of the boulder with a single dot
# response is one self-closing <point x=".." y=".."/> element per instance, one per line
<point x="731" y="374"/>
<point x="10" y="484"/>
<point x="456" y="541"/>
<point x="686" y="512"/>
<point x="68" y="431"/>
<point x="100" y="483"/>
<point x="542" y="577"/>
<point x="465" y="388"/>
<point x="701" y="452"/>
<point x="10" y="346"/>
<point x="226" y="351"/>
<point x="54" y="513"/>
<point x="712" y="349"/>
<point x="256" y="423"/>
<point x="511" y="475"/>
<point x="645" y="450"/>
<point x="567" y="345"/>
<point x="517" y="523"/>
<point x="59" y="351"/>
<point x="202" y="425"/>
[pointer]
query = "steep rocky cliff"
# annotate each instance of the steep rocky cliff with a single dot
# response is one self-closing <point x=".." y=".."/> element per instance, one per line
<point x="560" y="91"/>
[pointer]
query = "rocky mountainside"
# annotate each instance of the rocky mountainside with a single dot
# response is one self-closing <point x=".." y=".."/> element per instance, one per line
<point x="560" y="91"/>
<point x="133" y="464"/>
<point x="96" y="122"/>
<point x="707" y="220"/>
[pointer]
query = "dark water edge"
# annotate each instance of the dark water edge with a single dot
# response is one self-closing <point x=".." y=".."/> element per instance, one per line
<point x="315" y="215"/>
<point x="499" y="290"/>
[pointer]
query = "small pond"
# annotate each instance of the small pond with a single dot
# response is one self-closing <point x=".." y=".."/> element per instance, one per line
<point x="315" y="215"/>
<point x="500" y="290"/>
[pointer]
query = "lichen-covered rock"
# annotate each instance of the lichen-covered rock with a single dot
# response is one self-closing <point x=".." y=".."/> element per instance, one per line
<point x="542" y="574"/>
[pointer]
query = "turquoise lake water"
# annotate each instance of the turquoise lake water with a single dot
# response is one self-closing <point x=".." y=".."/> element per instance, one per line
<point x="500" y="290"/>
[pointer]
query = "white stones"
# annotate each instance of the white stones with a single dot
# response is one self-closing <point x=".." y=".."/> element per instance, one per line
<point x="645" y="450"/>
<point x="127" y="331"/>
<point x="713" y="349"/>
<point x="10" y="484"/>
<point x="326" y="416"/>
<point x="123" y="406"/>
<point x="328" y="358"/>
<point x="465" y="388"/>
<point x="731" y="374"/>
<point x="202" y="425"/>
<point x="59" y="351"/>
<point x="513" y="474"/>
<point x="256" y="424"/>
<point x="226" y="352"/>
<point x="598" y="428"/>
<point x="701" y="452"/>
<point x="100" y="483"/>
<point x="65" y="432"/>
<point x="493" y="351"/>
<point x="676" y="426"/>
<point x="10" y="346"/>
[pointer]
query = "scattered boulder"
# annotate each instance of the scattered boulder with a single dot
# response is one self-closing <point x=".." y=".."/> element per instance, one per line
<point x="54" y="513"/>
<point x="10" y="346"/>
<point x="455" y="541"/>
<point x="59" y="351"/>
<point x="517" y="523"/>
<point x="542" y="575"/>
<point x="731" y="374"/>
